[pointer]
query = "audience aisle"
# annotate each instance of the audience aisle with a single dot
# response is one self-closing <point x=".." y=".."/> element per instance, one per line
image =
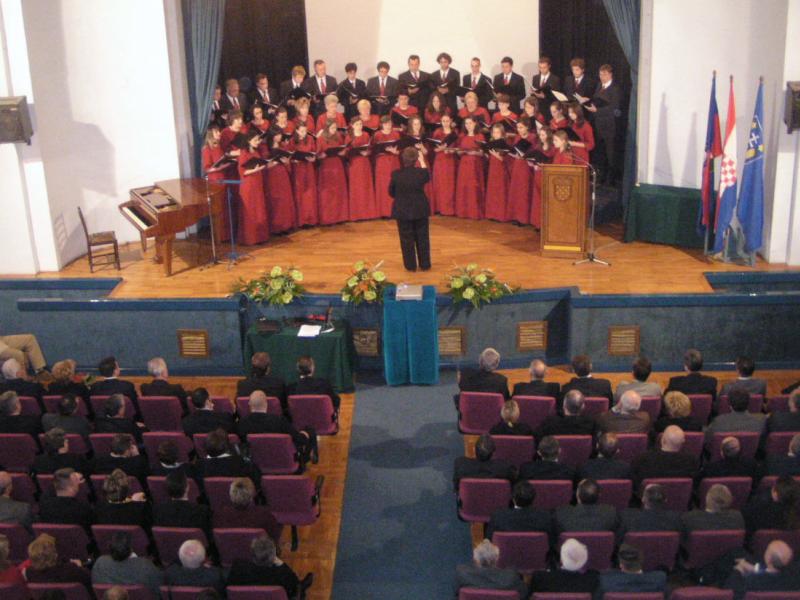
<point x="400" y="537"/>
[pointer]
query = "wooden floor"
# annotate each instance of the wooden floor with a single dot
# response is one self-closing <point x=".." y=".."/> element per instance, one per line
<point x="325" y="254"/>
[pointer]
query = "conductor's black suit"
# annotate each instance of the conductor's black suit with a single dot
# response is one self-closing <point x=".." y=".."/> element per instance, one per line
<point x="412" y="209"/>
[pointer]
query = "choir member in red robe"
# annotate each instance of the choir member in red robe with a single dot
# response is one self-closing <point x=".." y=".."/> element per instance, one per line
<point x="403" y="107"/>
<point x="253" y="217"/>
<point x="278" y="187"/>
<point x="531" y="110"/>
<point x="359" y="173"/>
<point x="444" y="170"/>
<point x="563" y="155"/>
<point x="519" y="192"/>
<point x="504" y="112"/>
<point x="497" y="179"/>
<point x="302" y="115"/>
<point x="257" y="121"/>
<point x="545" y="146"/>
<point x="235" y="127"/>
<point x="331" y="178"/>
<point x="584" y="131"/>
<point x="368" y="119"/>
<point x="416" y="131"/>
<point x="435" y="109"/>
<point x="472" y="109"/>
<point x="470" y="180"/>
<point x="385" y="164"/>
<point x="304" y="176"/>
<point x="331" y="114"/>
<point x="558" y="120"/>
<point x="211" y="153"/>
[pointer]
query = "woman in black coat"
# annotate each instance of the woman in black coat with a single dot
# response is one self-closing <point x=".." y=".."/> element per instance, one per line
<point x="412" y="209"/>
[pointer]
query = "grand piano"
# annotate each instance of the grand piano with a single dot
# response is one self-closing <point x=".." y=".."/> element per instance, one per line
<point x="168" y="207"/>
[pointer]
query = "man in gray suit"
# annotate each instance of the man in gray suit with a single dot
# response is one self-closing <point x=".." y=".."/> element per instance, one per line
<point x="587" y="515"/>
<point x="738" y="419"/>
<point x="12" y="511"/>
<point x="717" y="515"/>
<point x="631" y="577"/>
<point x="745" y="366"/>
<point x="625" y="417"/>
<point x="483" y="572"/>
<point x="642" y="368"/>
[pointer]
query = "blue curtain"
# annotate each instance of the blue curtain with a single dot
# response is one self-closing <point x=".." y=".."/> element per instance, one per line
<point x="625" y="16"/>
<point x="202" y="36"/>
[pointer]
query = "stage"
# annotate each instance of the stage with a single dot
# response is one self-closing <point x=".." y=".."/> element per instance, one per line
<point x="325" y="254"/>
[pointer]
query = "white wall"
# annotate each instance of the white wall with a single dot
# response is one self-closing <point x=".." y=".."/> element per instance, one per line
<point x="365" y="32"/>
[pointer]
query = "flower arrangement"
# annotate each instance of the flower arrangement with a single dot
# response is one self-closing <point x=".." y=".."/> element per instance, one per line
<point x="476" y="286"/>
<point x="365" y="284"/>
<point x="278" y="286"/>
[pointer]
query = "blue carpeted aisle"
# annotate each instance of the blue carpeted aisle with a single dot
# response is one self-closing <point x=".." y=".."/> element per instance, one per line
<point x="400" y="537"/>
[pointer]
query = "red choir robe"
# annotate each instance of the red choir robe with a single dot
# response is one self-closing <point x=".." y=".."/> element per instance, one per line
<point x="210" y="155"/>
<point x="373" y="122"/>
<point x="536" y="190"/>
<point x="558" y="124"/>
<point x="341" y="123"/>
<point x="497" y="117"/>
<point x="586" y="134"/>
<point x="310" y="124"/>
<point x="227" y="137"/>
<point x="262" y="127"/>
<point x="304" y="183"/>
<point x="519" y="187"/>
<point x="564" y="158"/>
<point x="279" y="196"/>
<point x="331" y="183"/>
<point x="480" y="114"/>
<point x="359" y="174"/>
<point x="385" y="164"/>
<point x="253" y="216"/>
<point x="435" y="118"/>
<point x="497" y="180"/>
<point x="470" y="180"/>
<point x="443" y="200"/>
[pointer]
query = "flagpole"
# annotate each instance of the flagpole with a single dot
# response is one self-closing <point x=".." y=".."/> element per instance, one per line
<point x="707" y="232"/>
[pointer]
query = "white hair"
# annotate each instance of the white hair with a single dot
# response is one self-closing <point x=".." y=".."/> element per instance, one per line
<point x="192" y="554"/>
<point x="630" y="402"/>
<point x="11" y="368"/>
<point x="486" y="554"/>
<point x="157" y="366"/>
<point x="489" y="359"/>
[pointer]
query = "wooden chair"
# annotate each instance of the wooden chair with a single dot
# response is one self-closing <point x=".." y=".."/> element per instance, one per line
<point x="106" y="241"/>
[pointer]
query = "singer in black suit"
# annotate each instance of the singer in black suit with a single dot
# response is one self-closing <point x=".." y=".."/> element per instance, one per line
<point x="263" y="95"/>
<point x="417" y="82"/>
<point x="606" y="119"/>
<point x="510" y="83"/>
<point x="297" y="80"/>
<point x="233" y="99"/>
<point x="545" y="78"/>
<point x="412" y="209"/>
<point x="382" y="90"/>
<point x="478" y="83"/>
<point x="351" y="90"/>
<point x="446" y="80"/>
<point x="319" y="85"/>
<point x="578" y="82"/>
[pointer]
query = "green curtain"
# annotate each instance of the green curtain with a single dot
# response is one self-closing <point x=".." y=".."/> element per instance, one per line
<point x="203" y="21"/>
<point x="625" y="17"/>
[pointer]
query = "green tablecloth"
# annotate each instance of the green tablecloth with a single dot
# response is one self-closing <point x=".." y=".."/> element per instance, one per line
<point x="664" y="215"/>
<point x="334" y="353"/>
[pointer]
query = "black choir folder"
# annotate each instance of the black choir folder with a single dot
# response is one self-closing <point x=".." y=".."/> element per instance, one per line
<point x="571" y="135"/>
<point x="496" y="145"/>
<point x="383" y="147"/>
<point x="446" y="141"/>
<point x="224" y="161"/>
<point x="255" y="162"/>
<point x="333" y="150"/>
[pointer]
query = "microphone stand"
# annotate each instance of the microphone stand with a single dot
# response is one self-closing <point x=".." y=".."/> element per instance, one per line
<point x="213" y="260"/>
<point x="591" y="257"/>
<point x="233" y="256"/>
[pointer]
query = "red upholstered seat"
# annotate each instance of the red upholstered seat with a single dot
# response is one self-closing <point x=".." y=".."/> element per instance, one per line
<point x="575" y="449"/>
<point x="701" y="593"/>
<point x="704" y="547"/>
<point x="616" y="492"/>
<point x="234" y="543"/>
<point x="71" y="540"/>
<point x="678" y="491"/>
<point x="161" y="413"/>
<point x="515" y="449"/>
<point x="478" y="411"/>
<point x="523" y="551"/>
<point x="314" y="411"/>
<point x="701" y="407"/>
<point x="153" y="439"/>
<point x="295" y="500"/>
<point x="551" y="493"/>
<point x="533" y="410"/>
<point x="479" y="498"/>
<point x="169" y="539"/>
<point x="739" y="487"/>
<point x="659" y="548"/>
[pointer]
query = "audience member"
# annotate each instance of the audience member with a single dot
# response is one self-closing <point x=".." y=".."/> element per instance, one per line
<point x="522" y="516"/>
<point x="12" y="511"/>
<point x="484" y="378"/>
<point x="263" y="568"/>
<point x="573" y="421"/>
<point x="717" y="515"/>
<point x="66" y="381"/>
<point x="160" y="385"/>
<point x="308" y="384"/>
<point x="125" y="456"/>
<point x="584" y="382"/>
<point x="547" y="466"/>
<point x="733" y="464"/>
<point x="605" y="466"/>
<point x="652" y="516"/>
<point x="570" y="576"/>
<point x="537" y="386"/>
<point x="483" y="465"/>
<point x="739" y="419"/>
<point x="205" y="419"/>
<point x="668" y="460"/>
<point x="587" y="514"/>
<point x="191" y="570"/>
<point x="788" y="464"/>
<point x="116" y="592"/>
<point x="775" y="574"/>
<point x="625" y="416"/>
<point x="222" y="461"/>
<point x="57" y="455"/>
<point x="177" y="511"/>
<point x="642" y="368"/>
<point x="45" y="566"/>
<point x="244" y="512"/>
<point x="775" y="508"/>
<point x="678" y="409"/>
<point x="9" y="572"/>
<point x="111" y="384"/>
<point x="631" y="577"/>
<point x="64" y="506"/>
<point x="262" y="380"/>
<point x="16" y="380"/>
<point x="694" y="382"/>
<point x="509" y="421"/>
<point x="121" y="566"/>
<point x="786" y="420"/>
<point x="119" y="506"/>
<point x="752" y="385"/>
<point x="115" y="420"/>
<point x="13" y="421"/>
<point x="67" y="418"/>
<point x="483" y="572"/>
<point x="24" y="349"/>
<point x="168" y="455"/>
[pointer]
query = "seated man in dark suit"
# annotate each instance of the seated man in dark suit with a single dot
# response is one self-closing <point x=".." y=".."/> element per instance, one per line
<point x="547" y="466"/>
<point x="63" y="506"/>
<point x="15" y="379"/>
<point x="537" y="386"/>
<point x="574" y="422"/>
<point x="745" y="366"/>
<point x="114" y="420"/>
<point x="587" y="514"/>
<point x="13" y="421"/>
<point x="12" y="511"/>
<point x="57" y="456"/>
<point x="261" y="379"/>
<point x="484" y="573"/>
<point x="652" y="516"/>
<point x="605" y="466"/>
<point x="641" y="371"/>
<point x="717" y="515"/>
<point x="786" y="421"/>
<point x="205" y="419"/>
<point x="242" y="511"/>
<point x="739" y="419"/>
<point x="569" y="577"/>
<point x="509" y="421"/>
<point x="178" y="511"/>
<point x="483" y="465"/>
<point x="775" y="508"/>
<point x="583" y="381"/>
<point x="308" y="385"/>
<point x="67" y="418"/>
<point x="111" y="384"/>
<point x="667" y="461"/>
<point x="484" y="379"/>
<point x="775" y="573"/>
<point x="522" y="517"/>
<point x="631" y="577"/>
<point x="694" y="382"/>
<point x="169" y="461"/>
<point x="223" y="461"/>
<point x="733" y="464"/>
<point x="160" y="386"/>
<point x="625" y="416"/>
<point x="191" y="571"/>
<point x="124" y="455"/>
<point x="788" y="464"/>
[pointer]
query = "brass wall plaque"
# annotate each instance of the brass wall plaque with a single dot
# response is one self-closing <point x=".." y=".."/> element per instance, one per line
<point x="531" y="335"/>
<point x="193" y="343"/>
<point x="367" y="342"/>
<point x="452" y="341"/>
<point x="623" y="340"/>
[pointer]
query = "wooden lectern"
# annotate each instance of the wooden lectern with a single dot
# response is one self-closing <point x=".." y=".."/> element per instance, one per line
<point x="565" y="194"/>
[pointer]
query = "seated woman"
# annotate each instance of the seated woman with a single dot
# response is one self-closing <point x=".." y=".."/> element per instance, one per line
<point x="66" y="381"/>
<point x="119" y="506"/>
<point x="46" y="567"/>
<point x="9" y="572"/>
<point x="243" y="512"/>
<point x="509" y="421"/>
<point x="264" y="568"/>
<point x="678" y="409"/>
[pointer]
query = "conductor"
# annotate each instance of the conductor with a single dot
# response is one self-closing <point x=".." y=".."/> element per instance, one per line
<point x="411" y="209"/>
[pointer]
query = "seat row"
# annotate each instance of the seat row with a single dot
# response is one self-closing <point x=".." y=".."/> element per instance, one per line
<point x="687" y="593"/>
<point x="76" y="591"/>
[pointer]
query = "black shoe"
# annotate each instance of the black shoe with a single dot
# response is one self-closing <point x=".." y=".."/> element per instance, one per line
<point x="424" y="268"/>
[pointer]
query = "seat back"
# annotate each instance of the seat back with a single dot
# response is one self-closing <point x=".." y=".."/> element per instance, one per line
<point x="135" y="592"/>
<point x="479" y="498"/>
<point x="600" y="545"/>
<point x="71" y="540"/>
<point x="470" y="593"/>
<point x="652" y="406"/>
<point x="778" y="442"/>
<point x="551" y="493"/>
<point x="243" y="406"/>
<point x="157" y="484"/>
<point x="477" y="411"/>
<point x="633" y="596"/>
<point x="704" y="547"/>
<point x="515" y="449"/>
<point x="161" y="413"/>
<point x="101" y="442"/>
<point x="153" y="439"/>
<point x="755" y="404"/>
<point x="593" y="406"/>
<point x="29" y="406"/>
<point x="274" y="453"/>
<point x="678" y="490"/>
<point x="71" y="591"/>
<point x="747" y="439"/>
<point x="523" y="551"/>
<point x="77" y="445"/>
<point x="103" y="533"/>
<point x="291" y="498"/>
<point x="762" y="538"/>
<point x="659" y="548"/>
<point x="575" y="449"/>
<point x="739" y="487"/>
<point x="701" y="407"/>
<point x="314" y="411"/>
<point x="234" y="543"/>
<point x="18" y="540"/>
<point x="533" y="410"/>
<point x="17" y="451"/>
<point x="631" y="445"/>
<point x="221" y="404"/>
<point x="23" y="488"/>
<point x="701" y="593"/>
<point x="181" y="592"/>
<point x="772" y="596"/>
<point x="51" y="404"/>
<point x="560" y="596"/>
<point x="254" y="592"/>
<point x="616" y="492"/>
<point x="199" y="442"/>
<point x="778" y="403"/>
<point x="169" y="539"/>
<point x="98" y="401"/>
<point x="694" y="442"/>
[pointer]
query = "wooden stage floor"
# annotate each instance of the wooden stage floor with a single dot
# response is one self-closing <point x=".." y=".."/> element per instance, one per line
<point x="325" y="254"/>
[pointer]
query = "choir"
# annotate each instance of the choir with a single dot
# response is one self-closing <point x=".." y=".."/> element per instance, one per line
<point x="320" y="153"/>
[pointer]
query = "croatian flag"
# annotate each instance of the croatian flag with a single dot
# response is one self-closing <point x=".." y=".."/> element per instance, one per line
<point x="750" y="211"/>
<point x="713" y="149"/>
<point x="726" y="204"/>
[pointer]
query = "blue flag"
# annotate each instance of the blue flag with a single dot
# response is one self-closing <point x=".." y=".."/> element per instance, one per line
<point x="750" y="210"/>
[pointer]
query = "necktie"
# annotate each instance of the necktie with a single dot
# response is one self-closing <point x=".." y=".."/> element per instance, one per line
<point x="416" y="76"/>
<point x="321" y="85"/>
<point x="508" y="77"/>
<point x="236" y="102"/>
<point x="216" y="105"/>
<point x="383" y="87"/>
<point x="474" y="82"/>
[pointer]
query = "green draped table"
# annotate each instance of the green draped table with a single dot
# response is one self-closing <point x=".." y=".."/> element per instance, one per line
<point x="664" y="215"/>
<point x="334" y="353"/>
